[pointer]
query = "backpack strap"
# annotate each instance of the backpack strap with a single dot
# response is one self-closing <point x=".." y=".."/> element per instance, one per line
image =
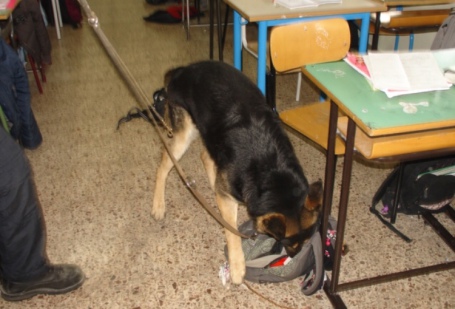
<point x="392" y="177"/>
<point x="387" y="223"/>
<point x="314" y="279"/>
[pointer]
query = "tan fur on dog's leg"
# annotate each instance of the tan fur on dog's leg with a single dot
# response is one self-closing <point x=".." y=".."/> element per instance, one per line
<point x="210" y="168"/>
<point x="228" y="208"/>
<point x="180" y="143"/>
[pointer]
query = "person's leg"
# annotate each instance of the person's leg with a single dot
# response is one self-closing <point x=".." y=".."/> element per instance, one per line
<point x="24" y="269"/>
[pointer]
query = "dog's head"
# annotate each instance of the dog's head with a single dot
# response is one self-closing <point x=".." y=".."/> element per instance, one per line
<point x="293" y="232"/>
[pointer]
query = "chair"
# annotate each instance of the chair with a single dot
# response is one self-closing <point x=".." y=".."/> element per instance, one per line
<point x="296" y="45"/>
<point x="406" y="23"/>
<point x="251" y="47"/>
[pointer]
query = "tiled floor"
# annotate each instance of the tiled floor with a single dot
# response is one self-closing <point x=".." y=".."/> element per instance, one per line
<point x="95" y="186"/>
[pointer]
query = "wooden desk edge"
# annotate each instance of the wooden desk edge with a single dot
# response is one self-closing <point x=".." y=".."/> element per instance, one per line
<point x="415" y="2"/>
<point x="302" y="14"/>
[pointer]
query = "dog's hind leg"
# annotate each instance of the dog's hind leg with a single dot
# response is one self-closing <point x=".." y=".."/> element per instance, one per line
<point x="182" y="139"/>
<point x="210" y="168"/>
<point x="229" y="207"/>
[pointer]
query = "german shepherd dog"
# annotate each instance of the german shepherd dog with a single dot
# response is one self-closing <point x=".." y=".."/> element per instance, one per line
<point x="248" y="157"/>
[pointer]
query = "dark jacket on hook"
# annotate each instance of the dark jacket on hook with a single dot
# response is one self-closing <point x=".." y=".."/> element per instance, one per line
<point x="15" y="98"/>
<point x="31" y="31"/>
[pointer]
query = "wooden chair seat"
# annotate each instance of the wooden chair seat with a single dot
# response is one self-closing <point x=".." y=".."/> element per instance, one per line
<point x="312" y="121"/>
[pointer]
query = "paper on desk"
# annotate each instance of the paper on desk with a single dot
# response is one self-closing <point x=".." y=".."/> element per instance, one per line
<point x="404" y="73"/>
<point x="296" y="4"/>
<point x="3" y="4"/>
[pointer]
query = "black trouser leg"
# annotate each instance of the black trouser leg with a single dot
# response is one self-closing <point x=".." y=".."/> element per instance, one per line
<point x="21" y="226"/>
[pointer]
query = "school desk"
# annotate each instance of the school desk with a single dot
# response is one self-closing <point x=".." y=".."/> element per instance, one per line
<point x="378" y="128"/>
<point x="266" y="14"/>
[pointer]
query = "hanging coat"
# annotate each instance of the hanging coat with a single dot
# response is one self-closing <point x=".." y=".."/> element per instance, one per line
<point x="15" y="98"/>
<point x="445" y="37"/>
<point x="31" y="31"/>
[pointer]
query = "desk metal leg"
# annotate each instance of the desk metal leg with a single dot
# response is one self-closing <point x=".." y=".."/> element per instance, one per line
<point x="335" y="299"/>
<point x="237" y="41"/>
<point x="57" y="17"/>
<point x="332" y="288"/>
<point x="329" y="182"/>
<point x="344" y="199"/>
<point x="377" y="26"/>
<point x="329" y="179"/>
<point x="364" y="33"/>
<point x="218" y="22"/>
<point x="221" y="32"/>
<point x="211" y="13"/>
<point x="440" y="229"/>
<point x="262" y="55"/>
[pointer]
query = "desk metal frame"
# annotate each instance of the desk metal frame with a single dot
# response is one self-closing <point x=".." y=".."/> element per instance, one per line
<point x="262" y="39"/>
<point x="332" y="286"/>
<point x="274" y="19"/>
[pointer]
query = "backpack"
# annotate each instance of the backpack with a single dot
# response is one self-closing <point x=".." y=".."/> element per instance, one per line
<point x="70" y="10"/>
<point x="425" y="186"/>
<point x="267" y="262"/>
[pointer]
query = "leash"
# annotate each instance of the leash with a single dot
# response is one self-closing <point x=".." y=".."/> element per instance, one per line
<point x="149" y="113"/>
<point x="249" y="287"/>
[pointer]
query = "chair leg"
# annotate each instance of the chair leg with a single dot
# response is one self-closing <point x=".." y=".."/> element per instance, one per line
<point x="35" y="73"/>
<point x="270" y="92"/>
<point x="397" y="42"/>
<point x="43" y="75"/>
<point x="299" y="85"/>
<point x="186" y="11"/>
<point x="226" y="20"/>
<point x="411" y="41"/>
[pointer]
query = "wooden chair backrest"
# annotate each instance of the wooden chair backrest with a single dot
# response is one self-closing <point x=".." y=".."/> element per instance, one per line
<point x="296" y="45"/>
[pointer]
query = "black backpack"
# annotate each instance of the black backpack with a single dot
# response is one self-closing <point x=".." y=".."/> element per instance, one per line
<point x="426" y="185"/>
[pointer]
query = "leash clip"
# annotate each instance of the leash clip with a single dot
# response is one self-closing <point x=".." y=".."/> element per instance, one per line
<point x="190" y="183"/>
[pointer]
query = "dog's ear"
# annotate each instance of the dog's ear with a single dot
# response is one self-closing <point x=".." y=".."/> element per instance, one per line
<point x="314" y="198"/>
<point x="273" y="224"/>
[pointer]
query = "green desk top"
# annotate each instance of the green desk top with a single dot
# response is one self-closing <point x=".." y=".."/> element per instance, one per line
<point x="373" y="111"/>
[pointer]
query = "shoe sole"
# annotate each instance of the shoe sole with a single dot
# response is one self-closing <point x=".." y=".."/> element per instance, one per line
<point x="30" y="294"/>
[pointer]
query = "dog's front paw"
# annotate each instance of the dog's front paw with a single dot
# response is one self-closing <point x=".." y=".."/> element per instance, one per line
<point x="237" y="271"/>
<point x="158" y="210"/>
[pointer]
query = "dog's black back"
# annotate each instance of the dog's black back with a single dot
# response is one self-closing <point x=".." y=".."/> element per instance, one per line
<point x="243" y="136"/>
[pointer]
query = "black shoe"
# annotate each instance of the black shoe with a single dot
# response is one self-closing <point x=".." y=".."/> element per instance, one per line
<point x="58" y="279"/>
